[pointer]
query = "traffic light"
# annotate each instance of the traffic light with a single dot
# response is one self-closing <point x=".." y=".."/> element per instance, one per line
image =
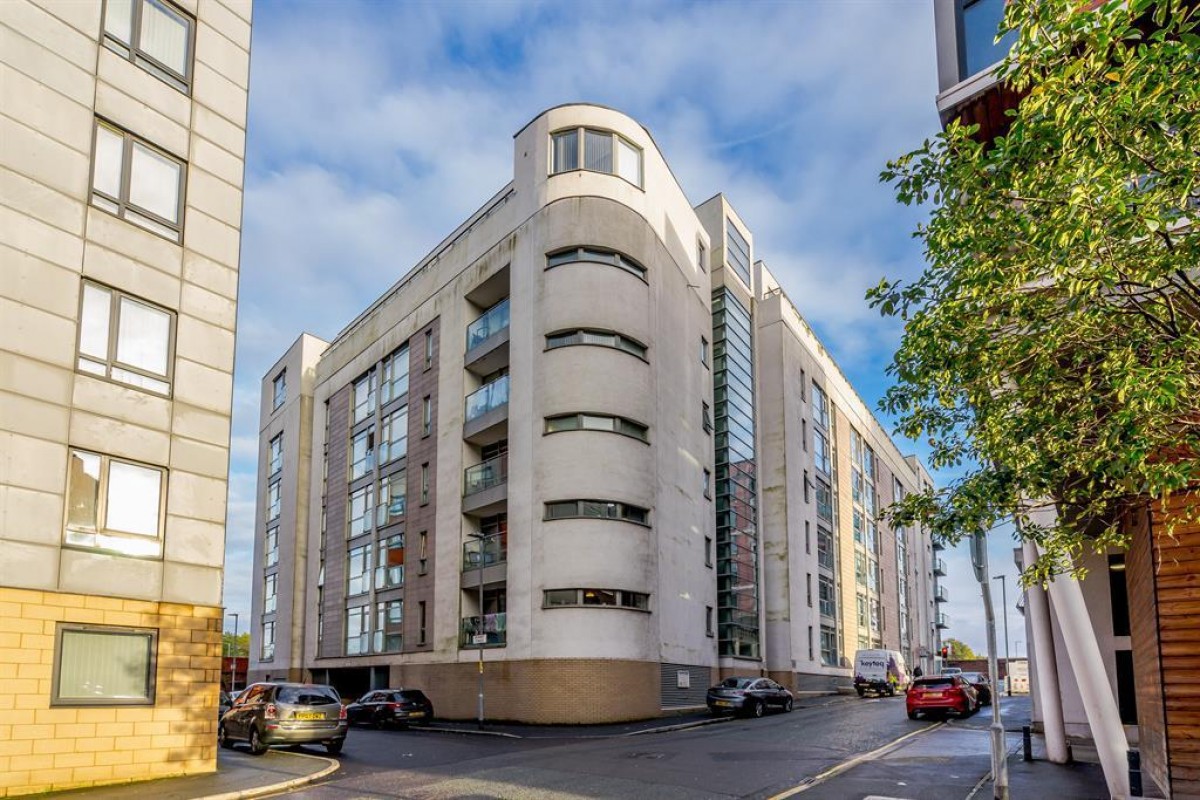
<point x="945" y="651"/>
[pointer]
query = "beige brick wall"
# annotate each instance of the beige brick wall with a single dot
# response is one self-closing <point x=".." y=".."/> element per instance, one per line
<point x="44" y="748"/>
<point x="544" y="691"/>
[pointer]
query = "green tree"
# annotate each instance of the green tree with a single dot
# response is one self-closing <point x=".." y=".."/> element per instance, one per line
<point x="959" y="650"/>
<point x="1052" y="343"/>
<point x="235" y="646"/>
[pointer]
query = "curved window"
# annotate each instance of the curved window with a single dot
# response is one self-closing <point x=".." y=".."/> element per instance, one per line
<point x="596" y="151"/>
<point x="597" y="509"/>
<point x="617" y="598"/>
<point x="597" y="422"/>
<point x="595" y="255"/>
<point x="596" y="337"/>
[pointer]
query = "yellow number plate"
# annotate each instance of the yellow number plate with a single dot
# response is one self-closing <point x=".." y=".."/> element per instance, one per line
<point x="417" y="714"/>
<point x="309" y="715"/>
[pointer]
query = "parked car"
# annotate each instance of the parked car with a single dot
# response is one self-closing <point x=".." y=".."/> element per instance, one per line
<point x="285" y="713"/>
<point x="983" y="686"/>
<point x="880" y="671"/>
<point x="224" y="704"/>
<point x="942" y="694"/>
<point x="749" y="696"/>
<point x="384" y="707"/>
<point x="951" y="671"/>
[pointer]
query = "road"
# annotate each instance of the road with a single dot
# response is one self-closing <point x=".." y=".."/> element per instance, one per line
<point x="744" y="758"/>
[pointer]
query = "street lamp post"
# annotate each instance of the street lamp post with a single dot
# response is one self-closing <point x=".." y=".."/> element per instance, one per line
<point x="481" y="538"/>
<point x="233" y="667"/>
<point x="979" y="560"/>
<point x="1004" y="605"/>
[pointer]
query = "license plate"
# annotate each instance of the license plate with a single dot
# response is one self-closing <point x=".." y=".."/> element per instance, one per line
<point x="416" y="713"/>
<point x="723" y="703"/>
<point x="933" y="694"/>
<point x="309" y="715"/>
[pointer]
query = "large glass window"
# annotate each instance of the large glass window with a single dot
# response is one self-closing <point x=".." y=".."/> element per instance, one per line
<point x="737" y="254"/>
<point x="597" y="422"/>
<point x="394" y="380"/>
<point x="114" y="505"/>
<point x="553" y="598"/>
<point x="362" y="452"/>
<point x="602" y="151"/>
<point x="820" y="406"/>
<point x="137" y="181"/>
<point x="270" y="593"/>
<point x="364" y="396"/>
<point x="821" y="451"/>
<point x="278" y="390"/>
<point x="587" y="336"/>
<point x="393" y="498"/>
<point x="389" y="626"/>
<point x="101" y="666"/>
<point x="827" y="597"/>
<point x="358" y="571"/>
<point x="268" y="640"/>
<point x="275" y="455"/>
<point x="125" y="339"/>
<point x="152" y="34"/>
<point x="597" y="509"/>
<point x="362" y="505"/>
<point x="979" y="26"/>
<point x="390" y="570"/>
<point x="271" y="547"/>
<point x="394" y="436"/>
<point x="595" y="255"/>
<point x="358" y="630"/>
<point x="829" y="648"/>
<point x="273" y="501"/>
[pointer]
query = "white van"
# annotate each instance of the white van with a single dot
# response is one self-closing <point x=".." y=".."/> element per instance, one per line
<point x="880" y="671"/>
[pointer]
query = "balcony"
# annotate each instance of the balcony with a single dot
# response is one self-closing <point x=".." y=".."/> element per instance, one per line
<point x="939" y="567"/>
<point x="938" y="545"/>
<point x="490" y="630"/>
<point x="940" y="595"/>
<point x="487" y="341"/>
<point x="485" y="415"/>
<point x="485" y="487"/>
<point x="941" y="621"/>
<point x="484" y="561"/>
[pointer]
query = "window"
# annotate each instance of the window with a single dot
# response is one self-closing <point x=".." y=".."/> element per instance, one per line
<point x="706" y="416"/>
<point x="271" y="547"/>
<point x="597" y="422"/>
<point x="824" y="501"/>
<point x="421" y="623"/>
<point x="701" y="256"/>
<point x="1118" y="594"/>
<point x="597" y="509"/>
<point x="704" y="351"/>
<point x="422" y="551"/>
<point x="829" y="648"/>
<point x="603" y="151"/>
<point x="152" y="34"/>
<point x="137" y="182"/>
<point x="364" y="396"/>
<point x="826" y="598"/>
<point x="103" y="666"/>
<point x="737" y="254"/>
<point x="595" y="255"/>
<point x="555" y="598"/>
<point x="393" y="498"/>
<point x="427" y="416"/>
<point x="708" y="621"/>
<point x="362" y="452"/>
<point x="708" y="483"/>
<point x="114" y="504"/>
<point x="808" y="588"/>
<point x="708" y="551"/>
<point x="807" y="488"/>
<point x="978" y="26"/>
<point x="807" y="537"/>
<point x="824" y="548"/>
<point x="275" y="455"/>
<point x="358" y="571"/>
<point x="278" y="390"/>
<point x="804" y="434"/>
<point x="810" y="642"/>
<point x="390" y="570"/>
<point x="273" y="501"/>
<point x="394" y="436"/>
<point x="357" y="630"/>
<point x="820" y="406"/>
<point x="125" y="339"/>
<point x="862" y="611"/>
<point x="428" y="349"/>
<point x="425" y="483"/>
<point x="362" y="505"/>
<point x="821" y="451"/>
<point x="389" y="625"/>
<point x="268" y="640"/>
<point x="393" y="381"/>
<point x="585" y="336"/>
<point x="270" y="593"/>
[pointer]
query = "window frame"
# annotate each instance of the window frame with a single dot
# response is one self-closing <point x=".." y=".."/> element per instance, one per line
<point x="279" y="390"/>
<point x="131" y="51"/>
<point x="275" y="455"/>
<point x="114" y="325"/>
<point x="101" y="510"/>
<point x="267" y="650"/>
<point x="61" y="628"/>
<point x="581" y="132"/>
<point x="123" y="204"/>
<point x="623" y="598"/>
<point x="591" y="254"/>
<point x="619" y="423"/>
<point x="621" y="507"/>
<point x="574" y="337"/>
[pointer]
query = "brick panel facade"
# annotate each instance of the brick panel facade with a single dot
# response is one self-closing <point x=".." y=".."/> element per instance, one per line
<point x="422" y="517"/>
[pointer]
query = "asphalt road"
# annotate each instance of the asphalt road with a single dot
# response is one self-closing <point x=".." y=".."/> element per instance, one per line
<point x="744" y="758"/>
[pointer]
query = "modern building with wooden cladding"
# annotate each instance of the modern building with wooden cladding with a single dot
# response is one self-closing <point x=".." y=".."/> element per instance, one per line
<point x="577" y="442"/>
<point x="122" y="137"/>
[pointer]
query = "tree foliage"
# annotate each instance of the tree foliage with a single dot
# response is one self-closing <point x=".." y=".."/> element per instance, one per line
<point x="1052" y="343"/>
<point x="235" y="646"/>
<point x="959" y="651"/>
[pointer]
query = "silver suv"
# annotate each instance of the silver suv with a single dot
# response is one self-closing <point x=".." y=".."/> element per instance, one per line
<point x="285" y="713"/>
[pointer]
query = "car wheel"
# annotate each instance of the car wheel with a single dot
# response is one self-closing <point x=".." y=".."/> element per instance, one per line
<point x="758" y="709"/>
<point x="223" y="738"/>
<point x="861" y="691"/>
<point x="787" y="704"/>
<point x="334" y="746"/>
<point x="912" y="715"/>
<point x="257" y="745"/>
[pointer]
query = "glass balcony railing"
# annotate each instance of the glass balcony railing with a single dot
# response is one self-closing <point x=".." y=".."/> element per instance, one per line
<point x="940" y="595"/>
<point x="486" y="631"/>
<point x="942" y="621"/>
<point x="491" y="322"/>
<point x="486" y="398"/>
<point x="479" y="553"/>
<point x="939" y="567"/>
<point x="492" y="472"/>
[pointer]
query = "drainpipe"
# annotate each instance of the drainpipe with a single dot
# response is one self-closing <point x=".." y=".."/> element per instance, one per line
<point x="1037" y="607"/>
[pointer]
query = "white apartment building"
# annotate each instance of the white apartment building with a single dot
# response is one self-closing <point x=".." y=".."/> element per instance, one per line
<point x="556" y="446"/>
<point x="122" y="137"/>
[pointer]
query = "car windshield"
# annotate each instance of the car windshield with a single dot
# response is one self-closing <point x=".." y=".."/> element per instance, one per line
<point x="736" y="683"/>
<point x="974" y="677"/>
<point x="935" y="683"/>
<point x="307" y="695"/>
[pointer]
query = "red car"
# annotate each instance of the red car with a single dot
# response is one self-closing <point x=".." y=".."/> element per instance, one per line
<point x="941" y="693"/>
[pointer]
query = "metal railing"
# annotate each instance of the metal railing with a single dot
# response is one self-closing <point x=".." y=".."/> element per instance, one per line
<point x="940" y="595"/>
<point x="486" y="398"/>
<point x="493" y="627"/>
<point x="480" y="553"/>
<point x="485" y="475"/>
<point x="942" y="621"/>
<point x="487" y="325"/>
<point x="939" y="567"/>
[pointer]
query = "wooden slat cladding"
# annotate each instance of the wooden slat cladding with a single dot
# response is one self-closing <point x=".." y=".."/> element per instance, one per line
<point x="337" y="443"/>
<point x="1147" y="656"/>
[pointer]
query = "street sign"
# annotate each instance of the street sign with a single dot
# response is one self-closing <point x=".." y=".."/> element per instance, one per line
<point x="479" y="638"/>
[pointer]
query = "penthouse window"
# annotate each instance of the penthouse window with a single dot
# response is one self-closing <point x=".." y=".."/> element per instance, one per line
<point x="125" y="339"/>
<point x="597" y="422"/>
<point x="137" y="181"/>
<point x="596" y="151"/>
<point x="595" y="255"/>
<point x="597" y="509"/>
<point x="597" y="338"/>
<point x="114" y="504"/>
<point x="560" y="598"/>
<point x="152" y="34"/>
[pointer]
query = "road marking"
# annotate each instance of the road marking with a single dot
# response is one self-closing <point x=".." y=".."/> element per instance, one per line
<point x="850" y="763"/>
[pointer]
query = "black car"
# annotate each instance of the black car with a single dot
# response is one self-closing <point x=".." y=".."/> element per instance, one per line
<point x="749" y="696"/>
<point x="384" y="707"/>
<point x="983" y="686"/>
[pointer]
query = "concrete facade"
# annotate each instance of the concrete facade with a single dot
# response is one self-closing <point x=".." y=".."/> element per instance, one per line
<point x="121" y="160"/>
<point x="569" y="452"/>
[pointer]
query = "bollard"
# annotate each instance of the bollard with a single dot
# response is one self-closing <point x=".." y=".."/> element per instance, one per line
<point x="1135" y="773"/>
<point x="1027" y="743"/>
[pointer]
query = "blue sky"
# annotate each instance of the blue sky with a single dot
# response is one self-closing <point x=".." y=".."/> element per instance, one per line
<point x="375" y="128"/>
